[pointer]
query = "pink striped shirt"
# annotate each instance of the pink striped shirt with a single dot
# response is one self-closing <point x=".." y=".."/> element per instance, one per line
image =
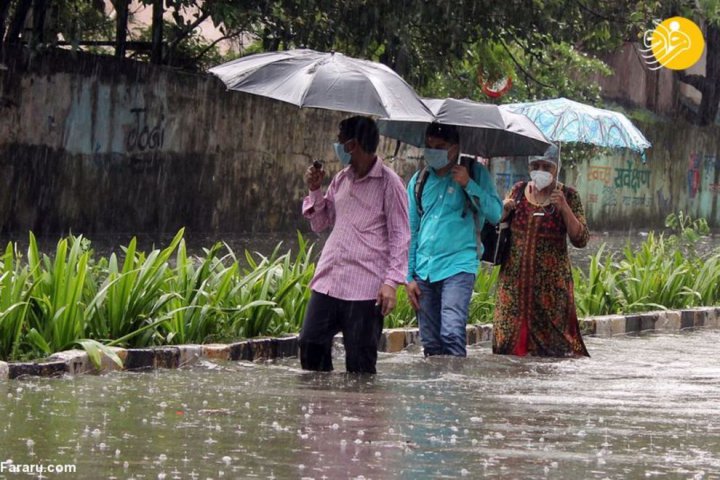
<point x="368" y="245"/>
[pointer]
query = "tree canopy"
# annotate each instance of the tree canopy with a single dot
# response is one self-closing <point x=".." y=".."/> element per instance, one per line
<point x="547" y="47"/>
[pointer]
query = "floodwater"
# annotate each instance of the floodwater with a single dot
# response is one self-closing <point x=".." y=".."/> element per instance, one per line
<point x="642" y="407"/>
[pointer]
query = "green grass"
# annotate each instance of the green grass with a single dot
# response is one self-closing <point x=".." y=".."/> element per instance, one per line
<point x="69" y="298"/>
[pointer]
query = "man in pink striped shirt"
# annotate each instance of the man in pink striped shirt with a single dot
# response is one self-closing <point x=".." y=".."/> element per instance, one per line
<point x="365" y="257"/>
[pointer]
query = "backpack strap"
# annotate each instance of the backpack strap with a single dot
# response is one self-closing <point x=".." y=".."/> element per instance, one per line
<point x="419" y="186"/>
<point x="469" y="205"/>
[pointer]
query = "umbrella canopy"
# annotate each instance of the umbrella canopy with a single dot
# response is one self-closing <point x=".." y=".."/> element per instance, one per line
<point x="484" y="129"/>
<point x="563" y="120"/>
<point x="331" y="81"/>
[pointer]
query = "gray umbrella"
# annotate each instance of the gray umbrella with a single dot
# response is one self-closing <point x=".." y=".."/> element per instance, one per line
<point x="331" y="81"/>
<point x="485" y="129"/>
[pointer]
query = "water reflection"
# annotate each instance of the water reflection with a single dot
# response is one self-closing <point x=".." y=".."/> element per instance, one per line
<point x="641" y="407"/>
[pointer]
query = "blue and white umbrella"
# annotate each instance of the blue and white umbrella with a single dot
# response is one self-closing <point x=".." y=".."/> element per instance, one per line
<point x="563" y="120"/>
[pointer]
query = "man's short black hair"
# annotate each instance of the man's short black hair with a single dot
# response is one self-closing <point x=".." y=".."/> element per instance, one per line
<point x="363" y="129"/>
<point x="449" y="133"/>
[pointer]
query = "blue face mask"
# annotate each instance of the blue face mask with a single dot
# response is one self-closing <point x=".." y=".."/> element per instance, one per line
<point x="341" y="154"/>
<point x="436" y="158"/>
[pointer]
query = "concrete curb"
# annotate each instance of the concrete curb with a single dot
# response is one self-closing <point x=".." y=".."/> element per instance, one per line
<point x="76" y="362"/>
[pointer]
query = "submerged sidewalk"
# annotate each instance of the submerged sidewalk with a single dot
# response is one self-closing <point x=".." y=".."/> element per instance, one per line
<point x="76" y="362"/>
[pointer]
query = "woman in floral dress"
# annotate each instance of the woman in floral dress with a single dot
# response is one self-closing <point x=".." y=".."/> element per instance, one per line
<point x="535" y="306"/>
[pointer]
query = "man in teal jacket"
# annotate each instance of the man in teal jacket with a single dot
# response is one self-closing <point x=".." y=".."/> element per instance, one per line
<point x="443" y="259"/>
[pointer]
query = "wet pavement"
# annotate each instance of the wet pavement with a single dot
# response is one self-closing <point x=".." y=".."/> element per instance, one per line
<point x="640" y="407"/>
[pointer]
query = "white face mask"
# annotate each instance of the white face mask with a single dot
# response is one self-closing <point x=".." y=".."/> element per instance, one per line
<point x="541" y="178"/>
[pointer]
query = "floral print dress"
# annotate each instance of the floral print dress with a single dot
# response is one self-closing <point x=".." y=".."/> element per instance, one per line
<point x="535" y="308"/>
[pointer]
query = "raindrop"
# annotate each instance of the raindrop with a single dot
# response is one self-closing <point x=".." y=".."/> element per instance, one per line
<point x="162" y="457"/>
<point x="30" y="443"/>
<point x="464" y="472"/>
<point x="161" y="476"/>
<point x="96" y="433"/>
<point x="335" y="426"/>
<point x="226" y="459"/>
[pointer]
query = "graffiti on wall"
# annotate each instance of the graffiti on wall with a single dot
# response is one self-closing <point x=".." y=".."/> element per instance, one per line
<point x="701" y="166"/>
<point x="693" y="175"/>
<point x="633" y="178"/>
<point x="144" y="136"/>
<point x="616" y="184"/>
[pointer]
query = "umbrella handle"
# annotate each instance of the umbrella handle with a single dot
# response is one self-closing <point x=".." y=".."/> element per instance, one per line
<point x="557" y="176"/>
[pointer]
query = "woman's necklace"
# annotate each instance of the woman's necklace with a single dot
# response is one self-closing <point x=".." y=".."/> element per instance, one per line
<point x="540" y="205"/>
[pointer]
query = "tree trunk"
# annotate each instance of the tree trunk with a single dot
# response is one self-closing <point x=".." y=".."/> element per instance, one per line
<point x="18" y="22"/>
<point x="711" y="92"/>
<point x="157" y="32"/>
<point x="121" y="8"/>
<point x="4" y="8"/>
<point x="39" y="9"/>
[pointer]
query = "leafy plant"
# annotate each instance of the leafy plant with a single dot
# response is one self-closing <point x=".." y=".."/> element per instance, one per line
<point x="132" y="296"/>
<point x="56" y="319"/>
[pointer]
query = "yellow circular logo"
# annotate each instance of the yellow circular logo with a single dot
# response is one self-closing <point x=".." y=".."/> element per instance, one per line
<point x="677" y="43"/>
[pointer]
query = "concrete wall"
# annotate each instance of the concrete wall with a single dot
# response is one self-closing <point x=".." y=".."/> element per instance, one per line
<point x="632" y="83"/>
<point x="92" y="144"/>
<point x="620" y="191"/>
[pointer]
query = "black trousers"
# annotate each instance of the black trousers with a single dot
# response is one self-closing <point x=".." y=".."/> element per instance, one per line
<point x="360" y="323"/>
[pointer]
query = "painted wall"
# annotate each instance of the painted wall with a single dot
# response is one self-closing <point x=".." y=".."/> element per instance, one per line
<point x="92" y="144"/>
<point x="97" y="145"/>
<point x="620" y="191"/>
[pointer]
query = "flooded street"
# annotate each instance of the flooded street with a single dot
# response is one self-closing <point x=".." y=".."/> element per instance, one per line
<point x="640" y="407"/>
